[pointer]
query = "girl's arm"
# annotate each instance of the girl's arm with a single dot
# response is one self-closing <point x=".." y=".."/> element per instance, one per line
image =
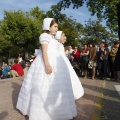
<point x="48" y="68"/>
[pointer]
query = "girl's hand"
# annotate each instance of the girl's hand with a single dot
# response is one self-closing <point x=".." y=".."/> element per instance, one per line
<point x="48" y="69"/>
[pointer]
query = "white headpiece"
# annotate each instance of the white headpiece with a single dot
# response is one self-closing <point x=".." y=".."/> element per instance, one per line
<point x="46" y="23"/>
<point x="58" y="35"/>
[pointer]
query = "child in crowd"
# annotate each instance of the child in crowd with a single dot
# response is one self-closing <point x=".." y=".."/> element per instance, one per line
<point x="76" y="85"/>
<point x="5" y="71"/>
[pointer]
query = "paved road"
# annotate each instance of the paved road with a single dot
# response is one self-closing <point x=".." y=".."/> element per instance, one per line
<point x="111" y="102"/>
<point x="88" y="107"/>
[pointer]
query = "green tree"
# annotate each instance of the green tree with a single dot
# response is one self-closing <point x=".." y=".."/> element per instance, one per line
<point x="71" y="29"/>
<point x="96" y="33"/>
<point x="55" y="13"/>
<point x="109" y="10"/>
<point x="22" y="28"/>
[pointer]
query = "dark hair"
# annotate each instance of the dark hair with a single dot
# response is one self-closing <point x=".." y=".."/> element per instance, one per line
<point x="91" y="44"/>
<point x="51" y="24"/>
<point x="22" y="55"/>
<point x="85" y="44"/>
<point x="16" y="61"/>
<point x="116" y="42"/>
<point x="5" y="62"/>
<point x="105" y="44"/>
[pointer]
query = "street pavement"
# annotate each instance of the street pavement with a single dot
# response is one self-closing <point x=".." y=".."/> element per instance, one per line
<point x="89" y="107"/>
<point x="111" y="101"/>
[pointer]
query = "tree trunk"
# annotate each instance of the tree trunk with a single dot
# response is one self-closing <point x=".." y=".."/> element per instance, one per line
<point x="118" y="14"/>
<point x="26" y="53"/>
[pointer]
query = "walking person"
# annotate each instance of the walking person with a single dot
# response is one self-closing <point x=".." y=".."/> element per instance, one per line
<point x="76" y="84"/>
<point x="46" y="92"/>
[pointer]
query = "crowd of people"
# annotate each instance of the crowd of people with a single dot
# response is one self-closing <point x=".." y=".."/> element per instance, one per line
<point x="88" y="61"/>
<point x="91" y="61"/>
<point x="53" y="74"/>
<point x="18" y="68"/>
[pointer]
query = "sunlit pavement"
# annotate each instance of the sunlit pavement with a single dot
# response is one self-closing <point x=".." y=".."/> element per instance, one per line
<point x="89" y="107"/>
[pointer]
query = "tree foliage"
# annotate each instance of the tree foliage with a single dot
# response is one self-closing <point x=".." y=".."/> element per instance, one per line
<point x="22" y="28"/>
<point x="96" y="33"/>
<point x="109" y="10"/>
<point x="72" y="30"/>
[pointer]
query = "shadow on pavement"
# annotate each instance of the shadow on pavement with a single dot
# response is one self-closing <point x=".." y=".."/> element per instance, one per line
<point x="110" y="100"/>
<point x="16" y="88"/>
<point x="97" y="89"/>
<point x="3" y="115"/>
<point x="85" y="111"/>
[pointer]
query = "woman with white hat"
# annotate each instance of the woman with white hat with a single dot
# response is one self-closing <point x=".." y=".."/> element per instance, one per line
<point x="76" y="84"/>
<point x="46" y="92"/>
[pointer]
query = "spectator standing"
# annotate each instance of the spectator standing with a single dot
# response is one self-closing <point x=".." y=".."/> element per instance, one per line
<point x="117" y="64"/>
<point x="113" y="53"/>
<point x="68" y="51"/>
<point x="103" y="60"/>
<point x="84" y="60"/>
<point x="21" y="60"/>
<point x="75" y="55"/>
<point x="92" y="58"/>
<point x="16" y="69"/>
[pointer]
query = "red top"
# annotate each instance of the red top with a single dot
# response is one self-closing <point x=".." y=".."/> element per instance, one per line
<point x="18" y="68"/>
<point x="76" y="55"/>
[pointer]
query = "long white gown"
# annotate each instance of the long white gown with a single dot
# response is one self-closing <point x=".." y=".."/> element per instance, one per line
<point x="47" y="97"/>
<point x="78" y="90"/>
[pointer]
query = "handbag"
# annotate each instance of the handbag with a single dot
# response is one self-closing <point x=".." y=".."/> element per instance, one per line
<point x="90" y="64"/>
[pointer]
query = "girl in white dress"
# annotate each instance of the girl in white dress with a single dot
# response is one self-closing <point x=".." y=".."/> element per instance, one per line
<point x="46" y="92"/>
<point x="76" y="84"/>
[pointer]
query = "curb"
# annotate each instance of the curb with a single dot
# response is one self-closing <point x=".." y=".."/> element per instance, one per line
<point x="97" y="112"/>
<point x="10" y="79"/>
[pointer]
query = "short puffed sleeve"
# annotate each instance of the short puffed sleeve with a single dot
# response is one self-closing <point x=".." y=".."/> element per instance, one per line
<point x="44" y="38"/>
